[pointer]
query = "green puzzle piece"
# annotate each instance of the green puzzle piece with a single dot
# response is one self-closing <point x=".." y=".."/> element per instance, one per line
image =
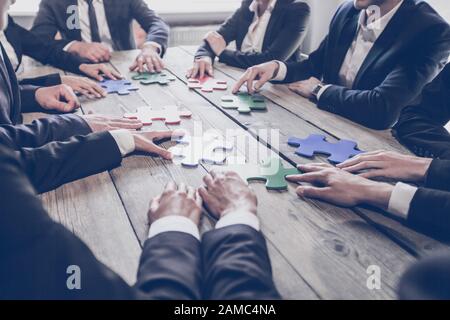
<point x="147" y="78"/>
<point x="244" y="102"/>
<point x="270" y="171"/>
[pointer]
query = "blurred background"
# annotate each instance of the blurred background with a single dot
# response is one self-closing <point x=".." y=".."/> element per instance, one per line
<point x="191" y="19"/>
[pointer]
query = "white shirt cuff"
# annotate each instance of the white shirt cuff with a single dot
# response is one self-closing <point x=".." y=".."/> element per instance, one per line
<point x="282" y="72"/>
<point x="324" y="88"/>
<point x="124" y="140"/>
<point x="153" y="44"/>
<point x="239" y="217"/>
<point x="176" y="224"/>
<point x="67" y="47"/>
<point x="401" y="199"/>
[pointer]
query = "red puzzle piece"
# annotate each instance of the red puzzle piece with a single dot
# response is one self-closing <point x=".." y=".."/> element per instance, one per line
<point x="207" y="84"/>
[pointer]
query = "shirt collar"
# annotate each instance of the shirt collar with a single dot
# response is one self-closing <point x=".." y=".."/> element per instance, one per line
<point x="254" y="6"/>
<point x="378" y="26"/>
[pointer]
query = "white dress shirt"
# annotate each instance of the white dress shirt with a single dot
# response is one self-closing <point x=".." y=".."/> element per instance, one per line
<point x="105" y="33"/>
<point x="401" y="198"/>
<point x="254" y="40"/>
<point x="359" y="50"/>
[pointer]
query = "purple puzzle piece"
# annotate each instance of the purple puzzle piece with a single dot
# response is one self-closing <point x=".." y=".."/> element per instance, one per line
<point x="316" y="144"/>
<point x="121" y="87"/>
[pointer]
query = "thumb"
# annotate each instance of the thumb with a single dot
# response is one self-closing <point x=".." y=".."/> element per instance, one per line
<point x="310" y="192"/>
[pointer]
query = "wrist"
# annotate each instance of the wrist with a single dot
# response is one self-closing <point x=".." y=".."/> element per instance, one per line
<point x="276" y="70"/>
<point x="251" y="210"/>
<point x="74" y="47"/>
<point x="376" y="194"/>
<point x="420" y="169"/>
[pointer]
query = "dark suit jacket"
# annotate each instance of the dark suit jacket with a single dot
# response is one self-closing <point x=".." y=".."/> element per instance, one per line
<point x="52" y="18"/>
<point x="15" y="99"/>
<point x="284" y="35"/>
<point x="409" y="54"/>
<point x="421" y="127"/>
<point x="427" y="280"/>
<point x="430" y="207"/>
<point x="35" y="253"/>
<point x="26" y="43"/>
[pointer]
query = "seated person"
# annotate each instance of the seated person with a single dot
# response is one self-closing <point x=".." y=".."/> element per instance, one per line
<point x="97" y="27"/>
<point x="369" y="66"/>
<point x="426" y="207"/>
<point x="427" y="280"/>
<point x="264" y="30"/>
<point x="175" y="263"/>
<point x="18" y="41"/>
<point x="421" y="127"/>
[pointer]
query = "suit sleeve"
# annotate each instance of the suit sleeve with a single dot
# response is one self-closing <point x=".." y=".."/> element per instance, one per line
<point x="43" y="131"/>
<point x="421" y="127"/>
<point x="36" y="252"/>
<point x="430" y="210"/>
<point x="157" y="30"/>
<point x="289" y="40"/>
<point x="43" y="81"/>
<point x="438" y="175"/>
<point x="380" y="107"/>
<point x="170" y="267"/>
<point x="45" y="25"/>
<point x="237" y="265"/>
<point x="57" y="163"/>
<point x="47" y="52"/>
<point x="228" y="30"/>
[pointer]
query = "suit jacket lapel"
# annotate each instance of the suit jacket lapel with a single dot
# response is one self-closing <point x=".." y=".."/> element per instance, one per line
<point x="384" y="41"/>
<point x="6" y="73"/>
<point x="344" y="39"/>
<point x="274" y="18"/>
<point x="110" y="11"/>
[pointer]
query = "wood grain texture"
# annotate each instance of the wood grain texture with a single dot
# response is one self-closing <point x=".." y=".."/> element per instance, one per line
<point x="333" y="127"/>
<point x="329" y="247"/>
<point x="91" y="208"/>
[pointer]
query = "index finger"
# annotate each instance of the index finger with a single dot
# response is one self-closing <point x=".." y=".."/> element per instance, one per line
<point x="241" y="81"/>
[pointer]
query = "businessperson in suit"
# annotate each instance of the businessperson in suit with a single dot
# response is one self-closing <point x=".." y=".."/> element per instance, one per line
<point x="264" y="30"/>
<point x="421" y="127"/>
<point x="231" y="262"/>
<point x="18" y="41"/>
<point x="367" y="68"/>
<point x="104" y="26"/>
<point x="429" y="279"/>
<point x="425" y="207"/>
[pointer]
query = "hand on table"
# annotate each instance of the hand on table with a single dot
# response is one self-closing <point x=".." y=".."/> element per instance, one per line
<point x="146" y="142"/>
<point x="84" y="86"/>
<point x="261" y="74"/>
<point x="99" y="123"/>
<point x="148" y="60"/>
<point x="94" y="52"/>
<point x="99" y="71"/>
<point x="216" y="42"/>
<point x="339" y="187"/>
<point x="176" y="200"/>
<point x="202" y="66"/>
<point x="305" y="88"/>
<point x="386" y="164"/>
<point x="59" y="98"/>
<point x="226" y="192"/>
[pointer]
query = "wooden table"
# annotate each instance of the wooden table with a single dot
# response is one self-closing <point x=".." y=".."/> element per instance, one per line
<point x="318" y="251"/>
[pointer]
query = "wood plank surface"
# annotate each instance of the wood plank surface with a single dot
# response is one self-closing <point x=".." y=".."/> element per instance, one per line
<point x="329" y="247"/>
<point x="320" y="122"/>
<point x="91" y="208"/>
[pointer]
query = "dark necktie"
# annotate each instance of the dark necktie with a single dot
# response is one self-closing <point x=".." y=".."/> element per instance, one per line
<point x="95" y="34"/>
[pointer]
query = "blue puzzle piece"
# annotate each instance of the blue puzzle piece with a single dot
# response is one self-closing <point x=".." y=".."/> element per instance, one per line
<point x="316" y="144"/>
<point x="121" y="87"/>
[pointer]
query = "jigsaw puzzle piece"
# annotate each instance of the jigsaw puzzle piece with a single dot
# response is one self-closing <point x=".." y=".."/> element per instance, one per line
<point x="317" y="144"/>
<point x="271" y="171"/>
<point x="147" y="78"/>
<point x="121" y="87"/>
<point x="207" y="84"/>
<point x="169" y="114"/>
<point x="210" y="148"/>
<point x="244" y="102"/>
